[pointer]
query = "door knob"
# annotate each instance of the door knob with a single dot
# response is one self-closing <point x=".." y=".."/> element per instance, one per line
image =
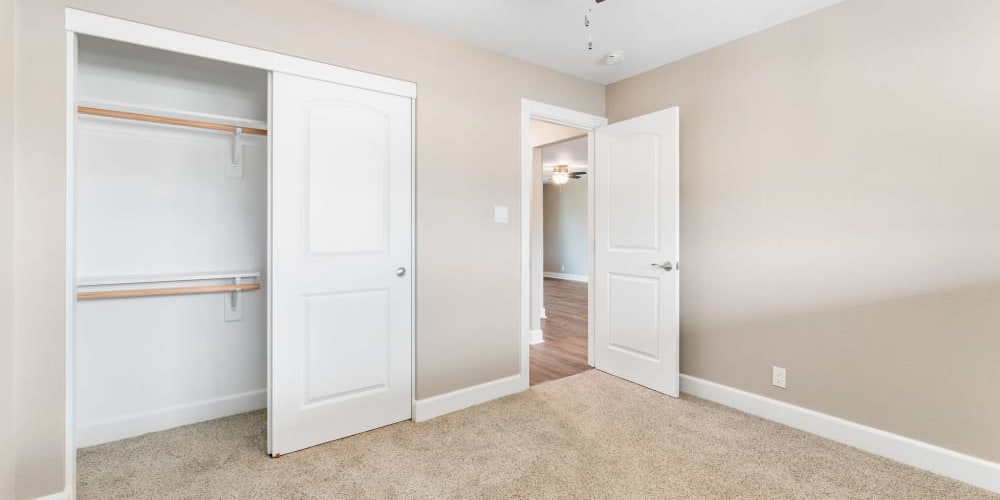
<point x="666" y="266"/>
<point x="400" y="271"/>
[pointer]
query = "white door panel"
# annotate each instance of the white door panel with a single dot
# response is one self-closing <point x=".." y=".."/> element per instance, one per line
<point x="341" y="226"/>
<point x="636" y="212"/>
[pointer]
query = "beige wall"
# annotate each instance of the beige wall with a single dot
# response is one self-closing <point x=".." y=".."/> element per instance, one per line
<point x="839" y="213"/>
<point x="6" y="247"/>
<point x="468" y="138"/>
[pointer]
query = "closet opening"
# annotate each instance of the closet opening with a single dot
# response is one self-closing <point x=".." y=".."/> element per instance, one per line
<point x="171" y="244"/>
<point x="240" y="260"/>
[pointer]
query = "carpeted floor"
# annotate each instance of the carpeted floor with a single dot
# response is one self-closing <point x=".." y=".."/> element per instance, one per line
<point x="587" y="436"/>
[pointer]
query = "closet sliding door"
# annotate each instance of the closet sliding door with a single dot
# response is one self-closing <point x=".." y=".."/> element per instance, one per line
<point x="341" y="247"/>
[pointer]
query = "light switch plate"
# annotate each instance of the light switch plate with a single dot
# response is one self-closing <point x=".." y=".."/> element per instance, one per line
<point x="501" y="215"/>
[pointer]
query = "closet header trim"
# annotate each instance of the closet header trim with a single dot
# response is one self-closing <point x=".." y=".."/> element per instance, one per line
<point x="89" y="23"/>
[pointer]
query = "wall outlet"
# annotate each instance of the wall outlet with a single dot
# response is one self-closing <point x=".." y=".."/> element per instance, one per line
<point x="778" y="376"/>
<point x="563" y="267"/>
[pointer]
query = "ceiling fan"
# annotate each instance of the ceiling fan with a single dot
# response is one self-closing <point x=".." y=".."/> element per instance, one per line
<point x="561" y="174"/>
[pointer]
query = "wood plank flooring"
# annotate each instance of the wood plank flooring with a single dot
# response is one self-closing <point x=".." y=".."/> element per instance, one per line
<point x="564" y="351"/>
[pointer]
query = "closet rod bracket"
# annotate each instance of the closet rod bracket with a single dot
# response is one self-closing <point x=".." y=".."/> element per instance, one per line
<point x="236" y="166"/>
<point x="233" y="305"/>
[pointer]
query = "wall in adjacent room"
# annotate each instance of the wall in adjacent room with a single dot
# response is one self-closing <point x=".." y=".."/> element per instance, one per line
<point x="566" y="228"/>
<point x="839" y="213"/>
<point x="565" y="208"/>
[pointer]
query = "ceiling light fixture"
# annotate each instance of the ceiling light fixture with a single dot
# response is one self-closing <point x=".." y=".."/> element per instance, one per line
<point x="560" y="174"/>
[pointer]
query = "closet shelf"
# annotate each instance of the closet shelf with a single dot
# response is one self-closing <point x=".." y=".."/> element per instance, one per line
<point x="128" y="115"/>
<point x="164" y="278"/>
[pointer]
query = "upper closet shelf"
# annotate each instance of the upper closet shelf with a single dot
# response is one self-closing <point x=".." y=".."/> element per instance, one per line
<point x="164" y="278"/>
<point x="173" y="117"/>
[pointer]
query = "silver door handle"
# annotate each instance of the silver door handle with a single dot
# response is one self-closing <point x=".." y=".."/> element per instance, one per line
<point x="400" y="271"/>
<point x="666" y="266"/>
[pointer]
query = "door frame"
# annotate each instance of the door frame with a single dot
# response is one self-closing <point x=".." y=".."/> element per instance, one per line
<point x="78" y="22"/>
<point x="533" y="110"/>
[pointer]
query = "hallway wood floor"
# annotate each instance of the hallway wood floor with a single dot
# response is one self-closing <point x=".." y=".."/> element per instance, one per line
<point x="564" y="351"/>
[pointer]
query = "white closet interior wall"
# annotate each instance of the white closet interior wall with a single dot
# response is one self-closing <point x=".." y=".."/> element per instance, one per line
<point x="161" y="200"/>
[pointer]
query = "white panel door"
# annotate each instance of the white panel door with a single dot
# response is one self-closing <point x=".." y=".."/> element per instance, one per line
<point x="636" y="250"/>
<point x="341" y="233"/>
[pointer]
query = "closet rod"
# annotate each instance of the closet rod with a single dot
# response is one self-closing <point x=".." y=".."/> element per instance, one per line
<point x="166" y="120"/>
<point x="153" y="292"/>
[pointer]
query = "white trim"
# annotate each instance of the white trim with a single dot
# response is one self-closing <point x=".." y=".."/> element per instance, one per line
<point x="544" y="315"/>
<point x="426" y="409"/>
<point x="537" y="337"/>
<point x="62" y="495"/>
<point x="270" y="267"/>
<point x="137" y="424"/>
<point x="540" y="111"/>
<point x="413" y="258"/>
<point x="568" y="277"/>
<point x="88" y="23"/>
<point x="965" y="468"/>
<point x="69" y="297"/>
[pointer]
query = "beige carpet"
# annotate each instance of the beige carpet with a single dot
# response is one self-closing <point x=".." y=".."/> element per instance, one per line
<point x="586" y="436"/>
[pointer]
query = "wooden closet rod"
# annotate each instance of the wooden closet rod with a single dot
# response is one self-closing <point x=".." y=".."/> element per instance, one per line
<point x="153" y="292"/>
<point x="166" y="120"/>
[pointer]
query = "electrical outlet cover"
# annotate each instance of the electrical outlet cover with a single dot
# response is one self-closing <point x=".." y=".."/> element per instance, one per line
<point x="778" y="377"/>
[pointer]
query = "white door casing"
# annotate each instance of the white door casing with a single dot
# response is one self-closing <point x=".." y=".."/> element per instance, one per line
<point x="636" y="250"/>
<point x="341" y="261"/>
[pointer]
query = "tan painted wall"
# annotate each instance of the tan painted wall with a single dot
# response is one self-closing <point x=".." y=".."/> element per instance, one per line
<point x="468" y="138"/>
<point x="839" y="213"/>
<point x="6" y="248"/>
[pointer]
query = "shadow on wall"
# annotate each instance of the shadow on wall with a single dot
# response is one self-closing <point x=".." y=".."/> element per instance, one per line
<point x="905" y="394"/>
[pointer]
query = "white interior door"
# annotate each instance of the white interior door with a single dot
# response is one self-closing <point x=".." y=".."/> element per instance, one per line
<point x="341" y="234"/>
<point x="636" y="250"/>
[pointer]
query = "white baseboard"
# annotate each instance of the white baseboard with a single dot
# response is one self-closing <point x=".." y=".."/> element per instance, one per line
<point x="157" y="420"/>
<point x="536" y="337"/>
<point x="426" y="409"/>
<point x="965" y="468"/>
<point x="62" y="495"/>
<point x="568" y="277"/>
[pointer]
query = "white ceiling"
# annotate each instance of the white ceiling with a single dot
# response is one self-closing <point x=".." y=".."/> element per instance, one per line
<point x="551" y="32"/>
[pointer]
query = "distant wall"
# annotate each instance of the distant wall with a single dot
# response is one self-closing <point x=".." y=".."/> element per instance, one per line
<point x="565" y="227"/>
